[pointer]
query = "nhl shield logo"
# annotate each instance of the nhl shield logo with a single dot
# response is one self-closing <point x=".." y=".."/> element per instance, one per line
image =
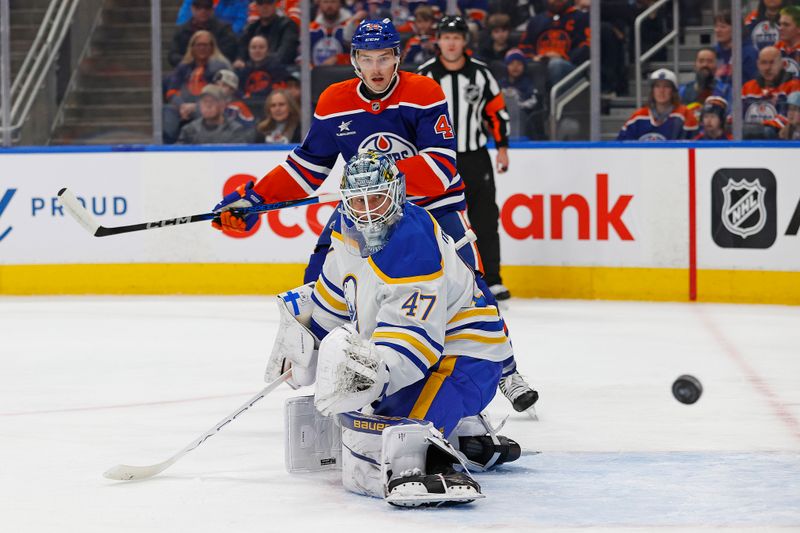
<point x="472" y="93"/>
<point x="743" y="210"/>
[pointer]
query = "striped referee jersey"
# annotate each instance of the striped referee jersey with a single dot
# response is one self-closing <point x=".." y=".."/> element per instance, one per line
<point x="473" y="97"/>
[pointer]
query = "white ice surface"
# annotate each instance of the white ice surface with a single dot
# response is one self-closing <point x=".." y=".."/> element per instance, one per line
<point x="87" y="383"/>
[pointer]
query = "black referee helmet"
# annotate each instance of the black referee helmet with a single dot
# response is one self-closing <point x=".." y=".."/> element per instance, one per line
<point x="452" y="24"/>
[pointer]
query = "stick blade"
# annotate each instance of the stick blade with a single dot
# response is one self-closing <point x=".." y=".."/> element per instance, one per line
<point x="74" y="207"/>
<point x="133" y="473"/>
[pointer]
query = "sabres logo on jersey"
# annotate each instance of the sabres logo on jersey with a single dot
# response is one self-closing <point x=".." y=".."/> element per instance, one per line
<point x="389" y="144"/>
<point x="350" y="286"/>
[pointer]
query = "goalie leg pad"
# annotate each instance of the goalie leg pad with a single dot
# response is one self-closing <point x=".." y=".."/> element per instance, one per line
<point x="313" y="442"/>
<point x="362" y="445"/>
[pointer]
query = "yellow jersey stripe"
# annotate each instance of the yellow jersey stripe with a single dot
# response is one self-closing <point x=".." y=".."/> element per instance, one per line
<point x="476" y="338"/>
<point x="409" y="279"/>
<point x="478" y="311"/>
<point x="336" y="235"/>
<point x="333" y="302"/>
<point x="413" y="341"/>
<point x="431" y="388"/>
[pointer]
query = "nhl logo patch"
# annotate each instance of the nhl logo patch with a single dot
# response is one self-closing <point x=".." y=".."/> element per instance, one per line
<point x="376" y="106"/>
<point x="472" y="93"/>
<point x="744" y="208"/>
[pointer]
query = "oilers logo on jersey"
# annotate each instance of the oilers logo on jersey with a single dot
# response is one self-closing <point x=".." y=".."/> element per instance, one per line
<point x="388" y="144"/>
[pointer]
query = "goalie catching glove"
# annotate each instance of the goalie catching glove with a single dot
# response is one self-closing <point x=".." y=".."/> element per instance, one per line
<point x="350" y="372"/>
<point x="244" y="196"/>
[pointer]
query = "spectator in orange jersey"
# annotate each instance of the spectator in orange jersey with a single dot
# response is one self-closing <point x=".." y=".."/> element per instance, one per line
<point x="789" y="45"/>
<point x="559" y="37"/>
<point x="282" y="125"/>
<point x="663" y="118"/>
<point x="330" y="34"/>
<point x="764" y="98"/>
<point x="713" y="120"/>
<point x="422" y="46"/>
<point x="200" y="63"/>
<point x="761" y="25"/>
<point x="791" y="131"/>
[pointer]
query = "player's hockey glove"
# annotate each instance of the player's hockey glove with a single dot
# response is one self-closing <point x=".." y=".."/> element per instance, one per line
<point x="244" y="196"/>
<point x="350" y="372"/>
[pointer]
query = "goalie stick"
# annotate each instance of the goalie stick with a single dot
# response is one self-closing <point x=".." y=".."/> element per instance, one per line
<point x="129" y="473"/>
<point x="74" y="207"/>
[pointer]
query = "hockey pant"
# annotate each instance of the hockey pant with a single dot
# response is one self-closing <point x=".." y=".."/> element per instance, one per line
<point x="454" y="224"/>
<point x="455" y="388"/>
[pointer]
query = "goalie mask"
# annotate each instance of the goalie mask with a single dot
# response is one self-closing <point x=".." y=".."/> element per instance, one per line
<point x="373" y="192"/>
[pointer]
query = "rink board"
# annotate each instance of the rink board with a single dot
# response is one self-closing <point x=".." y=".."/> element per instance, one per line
<point x="575" y="222"/>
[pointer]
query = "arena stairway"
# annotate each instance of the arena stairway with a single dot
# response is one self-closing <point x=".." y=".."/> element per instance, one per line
<point x="618" y="109"/>
<point x="110" y="103"/>
<point x="25" y="17"/>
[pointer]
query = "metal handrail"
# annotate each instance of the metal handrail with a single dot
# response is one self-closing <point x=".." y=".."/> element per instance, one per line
<point x="34" y="46"/>
<point x="555" y="109"/>
<point x="640" y="58"/>
<point x="59" y="26"/>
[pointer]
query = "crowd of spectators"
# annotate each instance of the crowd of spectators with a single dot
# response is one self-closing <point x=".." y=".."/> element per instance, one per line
<point x="249" y="50"/>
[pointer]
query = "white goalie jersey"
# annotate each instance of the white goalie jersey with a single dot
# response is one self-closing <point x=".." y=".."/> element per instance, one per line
<point x="415" y="300"/>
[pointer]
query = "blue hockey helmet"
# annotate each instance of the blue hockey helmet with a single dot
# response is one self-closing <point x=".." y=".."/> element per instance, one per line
<point x="375" y="35"/>
<point x="373" y="195"/>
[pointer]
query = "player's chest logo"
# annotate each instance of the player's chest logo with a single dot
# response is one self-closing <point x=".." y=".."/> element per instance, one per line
<point x="350" y="286"/>
<point x="389" y="144"/>
<point x="472" y="93"/>
<point x="344" y="129"/>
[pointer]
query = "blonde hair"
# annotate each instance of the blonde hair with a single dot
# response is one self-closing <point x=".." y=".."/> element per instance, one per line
<point x="292" y="122"/>
<point x="215" y="54"/>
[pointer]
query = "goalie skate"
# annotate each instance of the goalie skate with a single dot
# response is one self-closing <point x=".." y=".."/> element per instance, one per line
<point x="415" y="489"/>
<point x="519" y="393"/>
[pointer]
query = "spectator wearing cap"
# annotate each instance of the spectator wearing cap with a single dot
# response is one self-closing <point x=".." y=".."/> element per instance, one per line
<point x="713" y="120"/>
<point x="664" y="118"/>
<point x="282" y="122"/>
<point x="558" y="37"/>
<point x="213" y="127"/>
<point x="234" y="12"/>
<point x="764" y="98"/>
<point x="761" y="25"/>
<point x="791" y="130"/>
<point x="202" y="19"/>
<point x="200" y="63"/>
<point x="422" y="46"/>
<point x="789" y="45"/>
<point x="518" y="89"/>
<point x="330" y="34"/>
<point x="694" y="94"/>
<point x="723" y="33"/>
<point x="280" y="31"/>
<point x="236" y="108"/>
<point x="496" y="41"/>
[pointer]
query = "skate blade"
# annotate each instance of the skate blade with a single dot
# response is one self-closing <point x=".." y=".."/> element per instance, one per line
<point x="531" y="412"/>
<point x="417" y="500"/>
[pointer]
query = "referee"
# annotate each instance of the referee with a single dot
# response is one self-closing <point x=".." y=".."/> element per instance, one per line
<point x="474" y="99"/>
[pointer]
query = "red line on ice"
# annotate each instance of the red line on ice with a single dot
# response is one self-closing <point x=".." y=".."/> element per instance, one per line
<point x="758" y="383"/>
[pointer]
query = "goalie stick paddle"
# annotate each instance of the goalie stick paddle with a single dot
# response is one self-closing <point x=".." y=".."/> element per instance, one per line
<point x="130" y="473"/>
<point x="75" y="208"/>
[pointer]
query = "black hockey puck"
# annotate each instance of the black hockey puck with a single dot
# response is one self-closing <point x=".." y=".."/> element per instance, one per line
<point x="687" y="389"/>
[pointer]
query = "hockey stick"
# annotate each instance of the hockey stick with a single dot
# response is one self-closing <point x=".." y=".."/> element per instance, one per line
<point x="74" y="207"/>
<point x="128" y="473"/>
